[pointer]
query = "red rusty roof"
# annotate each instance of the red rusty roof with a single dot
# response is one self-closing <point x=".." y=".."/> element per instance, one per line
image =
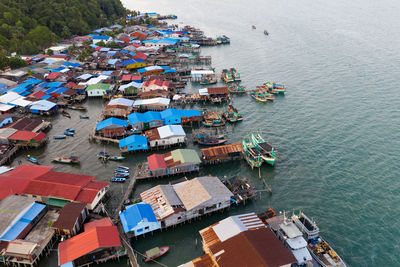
<point x="38" y="94"/>
<point x="70" y="85"/>
<point x="102" y="222"/>
<point x="217" y="90"/>
<point x="53" y="75"/>
<point x="14" y="181"/>
<point x="156" y="161"/>
<point x="22" y="136"/>
<point x="39" y="137"/>
<point x="86" y="242"/>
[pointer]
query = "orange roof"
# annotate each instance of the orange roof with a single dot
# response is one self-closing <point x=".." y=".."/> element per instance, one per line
<point x="22" y="136"/>
<point x="86" y="242"/>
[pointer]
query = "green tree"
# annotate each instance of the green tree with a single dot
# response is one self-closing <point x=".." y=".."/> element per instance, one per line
<point x="101" y="43"/>
<point x="16" y="62"/>
<point x="42" y="36"/>
<point x="50" y="52"/>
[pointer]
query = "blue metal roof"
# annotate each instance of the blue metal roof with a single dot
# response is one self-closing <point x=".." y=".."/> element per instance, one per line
<point x="23" y="222"/>
<point x="112" y="61"/>
<point x="100" y="37"/>
<point x="46" y="97"/>
<point x="70" y="64"/>
<point x="54" y="84"/>
<point x="180" y="112"/>
<point x="110" y="122"/>
<point x="134" y="142"/>
<point x="32" y="81"/>
<point x="135" y="214"/>
<point x="60" y="90"/>
<point x="131" y="61"/>
<point x="144" y="117"/>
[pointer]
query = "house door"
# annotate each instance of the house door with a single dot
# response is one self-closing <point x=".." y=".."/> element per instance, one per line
<point x="146" y="126"/>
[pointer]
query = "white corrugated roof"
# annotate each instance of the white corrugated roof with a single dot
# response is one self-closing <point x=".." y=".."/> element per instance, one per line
<point x="10" y="96"/>
<point x="170" y="130"/>
<point x="21" y="102"/>
<point x="5" y="107"/>
<point x="203" y="91"/>
<point x="152" y="101"/>
<point x="234" y="225"/>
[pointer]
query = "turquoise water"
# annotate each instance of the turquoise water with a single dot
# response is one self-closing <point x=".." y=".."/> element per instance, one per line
<point x="336" y="130"/>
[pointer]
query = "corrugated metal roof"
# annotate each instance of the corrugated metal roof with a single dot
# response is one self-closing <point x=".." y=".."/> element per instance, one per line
<point x="135" y="214"/>
<point x="102" y="222"/>
<point x="221" y="150"/>
<point x="86" y="242"/>
<point x="185" y="156"/>
<point x="111" y="123"/>
<point x="69" y="215"/>
<point x="201" y="189"/>
<point x="170" y="131"/>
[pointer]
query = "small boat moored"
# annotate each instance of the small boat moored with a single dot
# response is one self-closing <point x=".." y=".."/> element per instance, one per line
<point x="32" y="159"/>
<point x="116" y="158"/>
<point x="154" y="253"/>
<point x="123" y="168"/>
<point x="84" y="117"/>
<point x="69" y="133"/>
<point x="67" y="160"/>
<point x="266" y="32"/>
<point x="72" y="130"/>
<point x="59" y="136"/>
<point x="118" y="179"/>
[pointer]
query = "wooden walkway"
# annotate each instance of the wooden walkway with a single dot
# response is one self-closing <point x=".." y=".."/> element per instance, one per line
<point x="124" y="238"/>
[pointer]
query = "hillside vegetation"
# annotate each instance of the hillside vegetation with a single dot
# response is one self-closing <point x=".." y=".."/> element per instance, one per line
<point x="28" y="26"/>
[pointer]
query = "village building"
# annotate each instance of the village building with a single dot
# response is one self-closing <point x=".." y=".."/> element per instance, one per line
<point x="132" y="64"/>
<point x="155" y="85"/>
<point x="151" y="70"/>
<point x="94" y="245"/>
<point x="175" y="162"/>
<point x="139" y="219"/>
<point x="241" y="240"/>
<point x="98" y="89"/>
<point x="71" y="219"/>
<point x="222" y="153"/>
<point x="28" y="139"/>
<point x="174" y="204"/>
<point x="112" y="127"/>
<point x="145" y="121"/>
<point x="119" y="107"/>
<point x="18" y="215"/>
<point x="154" y="94"/>
<point x="166" y="136"/>
<point x="133" y="143"/>
<point x="155" y="104"/>
<point x="180" y="116"/>
<point x="130" y="89"/>
<point x="210" y="93"/>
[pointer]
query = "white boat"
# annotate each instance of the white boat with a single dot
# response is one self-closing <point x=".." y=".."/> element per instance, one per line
<point x="321" y="251"/>
<point x="293" y="239"/>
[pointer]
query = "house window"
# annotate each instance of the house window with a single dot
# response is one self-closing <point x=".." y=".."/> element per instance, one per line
<point x="147" y="228"/>
<point x="179" y="217"/>
<point x="139" y="230"/>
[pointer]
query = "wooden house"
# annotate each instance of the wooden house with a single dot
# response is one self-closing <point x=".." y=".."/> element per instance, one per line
<point x="71" y="219"/>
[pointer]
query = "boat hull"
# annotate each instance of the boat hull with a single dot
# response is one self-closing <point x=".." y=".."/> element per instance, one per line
<point x="163" y="250"/>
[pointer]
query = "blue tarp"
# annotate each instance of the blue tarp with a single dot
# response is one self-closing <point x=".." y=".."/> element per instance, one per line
<point x="134" y="142"/>
<point x="135" y="214"/>
<point x="111" y="122"/>
<point x="42" y="105"/>
<point x="54" y="84"/>
<point x="112" y="61"/>
<point x="70" y="64"/>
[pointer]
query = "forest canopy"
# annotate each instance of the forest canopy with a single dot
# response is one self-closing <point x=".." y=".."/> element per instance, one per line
<point x="28" y="26"/>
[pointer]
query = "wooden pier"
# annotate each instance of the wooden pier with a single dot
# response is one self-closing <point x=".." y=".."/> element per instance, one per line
<point x="8" y="155"/>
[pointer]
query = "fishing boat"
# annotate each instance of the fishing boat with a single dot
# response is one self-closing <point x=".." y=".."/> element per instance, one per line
<point x="227" y="76"/>
<point x="116" y="158"/>
<point x="266" y="32"/>
<point x="275" y="87"/>
<point x="103" y="155"/>
<point x="67" y="160"/>
<point x="117" y="179"/>
<point x="208" y="79"/>
<point x="72" y="130"/>
<point x="202" y="138"/>
<point x="65" y="113"/>
<point x="121" y="175"/>
<point x="235" y="74"/>
<point x="251" y="155"/>
<point x="84" y="117"/>
<point x="59" y="136"/>
<point x="237" y="89"/>
<point x="259" y="97"/>
<point x="231" y="114"/>
<point x="154" y="253"/>
<point x="266" y="150"/>
<point x="253" y="27"/>
<point x="32" y="159"/>
<point x="77" y="107"/>
<point x="213" y="119"/>
<point x="69" y="133"/>
<point x="320" y="250"/>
